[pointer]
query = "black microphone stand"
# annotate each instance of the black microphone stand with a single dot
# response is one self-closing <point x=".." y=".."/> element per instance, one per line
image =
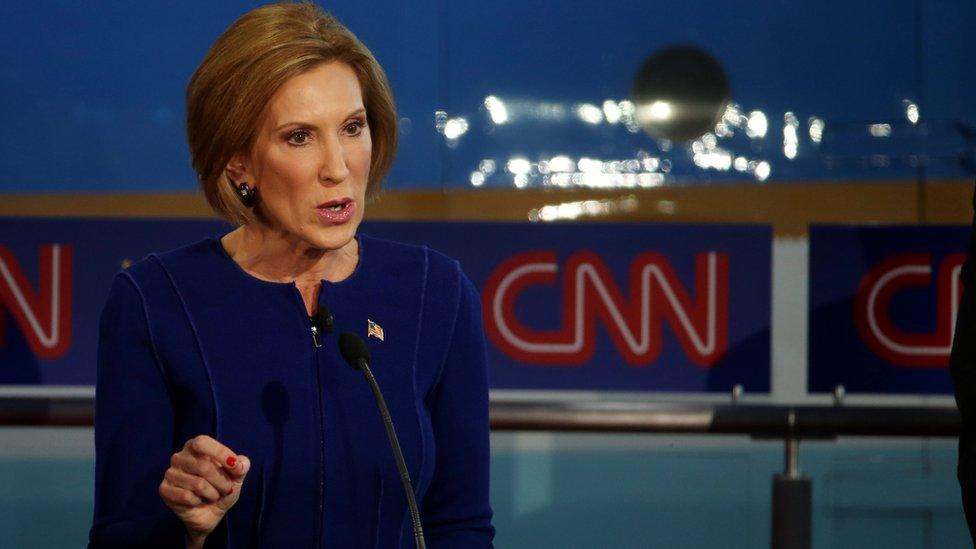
<point x="354" y="351"/>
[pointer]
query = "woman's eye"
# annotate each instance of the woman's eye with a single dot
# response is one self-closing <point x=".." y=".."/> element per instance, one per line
<point x="355" y="128"/>
<point x="299" y="137"/>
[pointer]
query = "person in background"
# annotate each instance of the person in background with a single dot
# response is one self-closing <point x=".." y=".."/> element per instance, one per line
<point x="225" y="415"/>
<point x="962" y="365"/>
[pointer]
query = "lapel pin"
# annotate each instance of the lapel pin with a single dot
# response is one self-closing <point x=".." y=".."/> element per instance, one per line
<point x="374" y="330"/>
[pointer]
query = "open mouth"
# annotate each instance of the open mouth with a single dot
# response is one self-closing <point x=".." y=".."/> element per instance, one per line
<point x="337" y="211"/>
<point x="335" y="205"/>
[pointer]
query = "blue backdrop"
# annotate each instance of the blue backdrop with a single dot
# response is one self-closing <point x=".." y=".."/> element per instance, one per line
<point x="91" y="93"/>
<point x="734" y="325"/>
<point x="897" y="342"/>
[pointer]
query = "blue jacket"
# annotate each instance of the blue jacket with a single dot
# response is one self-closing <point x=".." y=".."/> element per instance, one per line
<point x="192" y="344"/>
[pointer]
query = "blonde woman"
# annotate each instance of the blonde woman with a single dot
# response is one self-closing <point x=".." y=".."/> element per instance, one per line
<point x="225" y="414"/>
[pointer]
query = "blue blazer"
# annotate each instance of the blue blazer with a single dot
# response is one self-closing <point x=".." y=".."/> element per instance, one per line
<point x="192" y="344"/>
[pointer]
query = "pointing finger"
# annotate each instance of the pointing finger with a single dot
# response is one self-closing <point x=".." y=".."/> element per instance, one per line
<point x="245" y="464"/>
<point x="204" y="445"/>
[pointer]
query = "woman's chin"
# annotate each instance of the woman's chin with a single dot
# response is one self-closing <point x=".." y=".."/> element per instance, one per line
<point x="332" y="238"/>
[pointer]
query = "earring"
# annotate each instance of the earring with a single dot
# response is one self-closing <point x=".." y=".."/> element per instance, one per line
<point x="249" y="196"/>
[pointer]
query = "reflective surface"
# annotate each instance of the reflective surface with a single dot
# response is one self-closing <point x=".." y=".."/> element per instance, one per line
<point x="872" y="94"/>
<point x="624" y="491"/>
<point x="680" y="92"/>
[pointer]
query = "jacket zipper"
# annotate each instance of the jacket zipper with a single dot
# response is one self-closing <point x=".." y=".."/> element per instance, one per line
<point x="318" y="401"/>
<point x="316" y="338"/>
<point x="317" y="344"/>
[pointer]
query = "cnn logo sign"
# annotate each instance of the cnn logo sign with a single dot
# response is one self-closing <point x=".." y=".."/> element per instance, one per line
<point x="590" y="295"/>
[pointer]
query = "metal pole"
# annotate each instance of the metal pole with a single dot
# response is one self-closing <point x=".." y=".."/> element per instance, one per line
<point x="792" y="457"/>
<point x="791" y="499"/>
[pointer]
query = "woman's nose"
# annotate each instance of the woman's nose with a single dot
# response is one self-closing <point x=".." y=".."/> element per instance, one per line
<point x="333" y="167"/>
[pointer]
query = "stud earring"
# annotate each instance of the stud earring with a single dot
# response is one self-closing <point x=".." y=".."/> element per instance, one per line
<point x="249" y="196"/>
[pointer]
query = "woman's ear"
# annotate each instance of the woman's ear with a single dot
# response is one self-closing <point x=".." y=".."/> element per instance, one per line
<point x="238" y="169"/>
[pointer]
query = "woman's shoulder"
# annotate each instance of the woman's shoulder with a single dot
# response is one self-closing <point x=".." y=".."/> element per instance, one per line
<point x="196" y="257"/>
<point x="398" y="255"/>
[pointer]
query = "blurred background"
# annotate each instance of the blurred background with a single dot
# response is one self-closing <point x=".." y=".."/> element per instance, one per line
<point x="832" y="134"/>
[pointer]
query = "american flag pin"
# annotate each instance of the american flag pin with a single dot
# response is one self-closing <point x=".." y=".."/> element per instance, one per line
<point x="374" y="330"/>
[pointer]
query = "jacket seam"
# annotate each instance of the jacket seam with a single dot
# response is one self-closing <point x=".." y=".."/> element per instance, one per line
<point x="203" y="357"/>
<point x="196" y="340"/>
<point x="149" y="332"/>
<point x="379" y="518"/>
<point x="447" y="348"/>
<point x="416" y="394"/>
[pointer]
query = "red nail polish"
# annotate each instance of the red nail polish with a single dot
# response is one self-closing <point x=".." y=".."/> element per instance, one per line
<point x="231" y="461"/>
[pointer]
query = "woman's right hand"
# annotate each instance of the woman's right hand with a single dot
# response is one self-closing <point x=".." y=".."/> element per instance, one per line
<point x="202" y="483"/>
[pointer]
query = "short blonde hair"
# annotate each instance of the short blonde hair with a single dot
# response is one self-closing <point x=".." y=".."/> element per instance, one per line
<point x="228" y="93"/>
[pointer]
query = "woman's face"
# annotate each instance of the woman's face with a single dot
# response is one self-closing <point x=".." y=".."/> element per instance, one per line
<point x="310" y="159"/>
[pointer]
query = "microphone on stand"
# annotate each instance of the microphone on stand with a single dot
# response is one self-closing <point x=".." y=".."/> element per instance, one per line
<point x="356" y="354"/>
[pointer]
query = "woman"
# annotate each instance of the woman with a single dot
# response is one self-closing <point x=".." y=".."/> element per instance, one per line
<point x="225" y="414"/>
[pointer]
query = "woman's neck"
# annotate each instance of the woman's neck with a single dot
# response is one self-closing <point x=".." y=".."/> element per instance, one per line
<point x="276" y="257"/>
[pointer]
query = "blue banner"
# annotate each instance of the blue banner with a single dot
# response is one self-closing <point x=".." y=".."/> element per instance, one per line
<point x="54" y="277"/>
<point x="883" y="304"/>
<point x="584" y="307"/>
<point x="615" y="306"/>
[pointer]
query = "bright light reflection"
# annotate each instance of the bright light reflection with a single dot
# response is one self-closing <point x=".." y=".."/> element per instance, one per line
<point x="562" y="164"/>
<point x="657" y="111"/>
<point x="790" y="137"/>
<point x="477" y="178"/>
<point x="563" y="171"/>
<point x="733" y="115"/>
<point x="757" y="125"/>
<point x="612" y="112"/>
<point x="816" y="129"/>
<point x="880" y="130"/>
<point x="584" y="208"/>
<point x="589" y="165"/>
<point x="561" y="179"/>
<point x="440" y="120"/>
<point x="518" y="166"/>
<point x="496" y="109"/>
<point x="591" y="114"/>
<point x="911" y="111"/>
<point x="762" y="171"/>
<point x="628" y="114"/>
<point x="487" y="166"/>
<point x="455" y="127"/>
<point x="716" y="160"/>
<point x="710" y="141"/>
<point x="740" y="164"/>
<point x="661" y="110"/>
<point x="650" y="179"/>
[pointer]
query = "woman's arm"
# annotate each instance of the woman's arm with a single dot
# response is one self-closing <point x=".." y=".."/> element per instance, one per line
<point x="456" y="510"/>
<point x="134" y="429"/>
